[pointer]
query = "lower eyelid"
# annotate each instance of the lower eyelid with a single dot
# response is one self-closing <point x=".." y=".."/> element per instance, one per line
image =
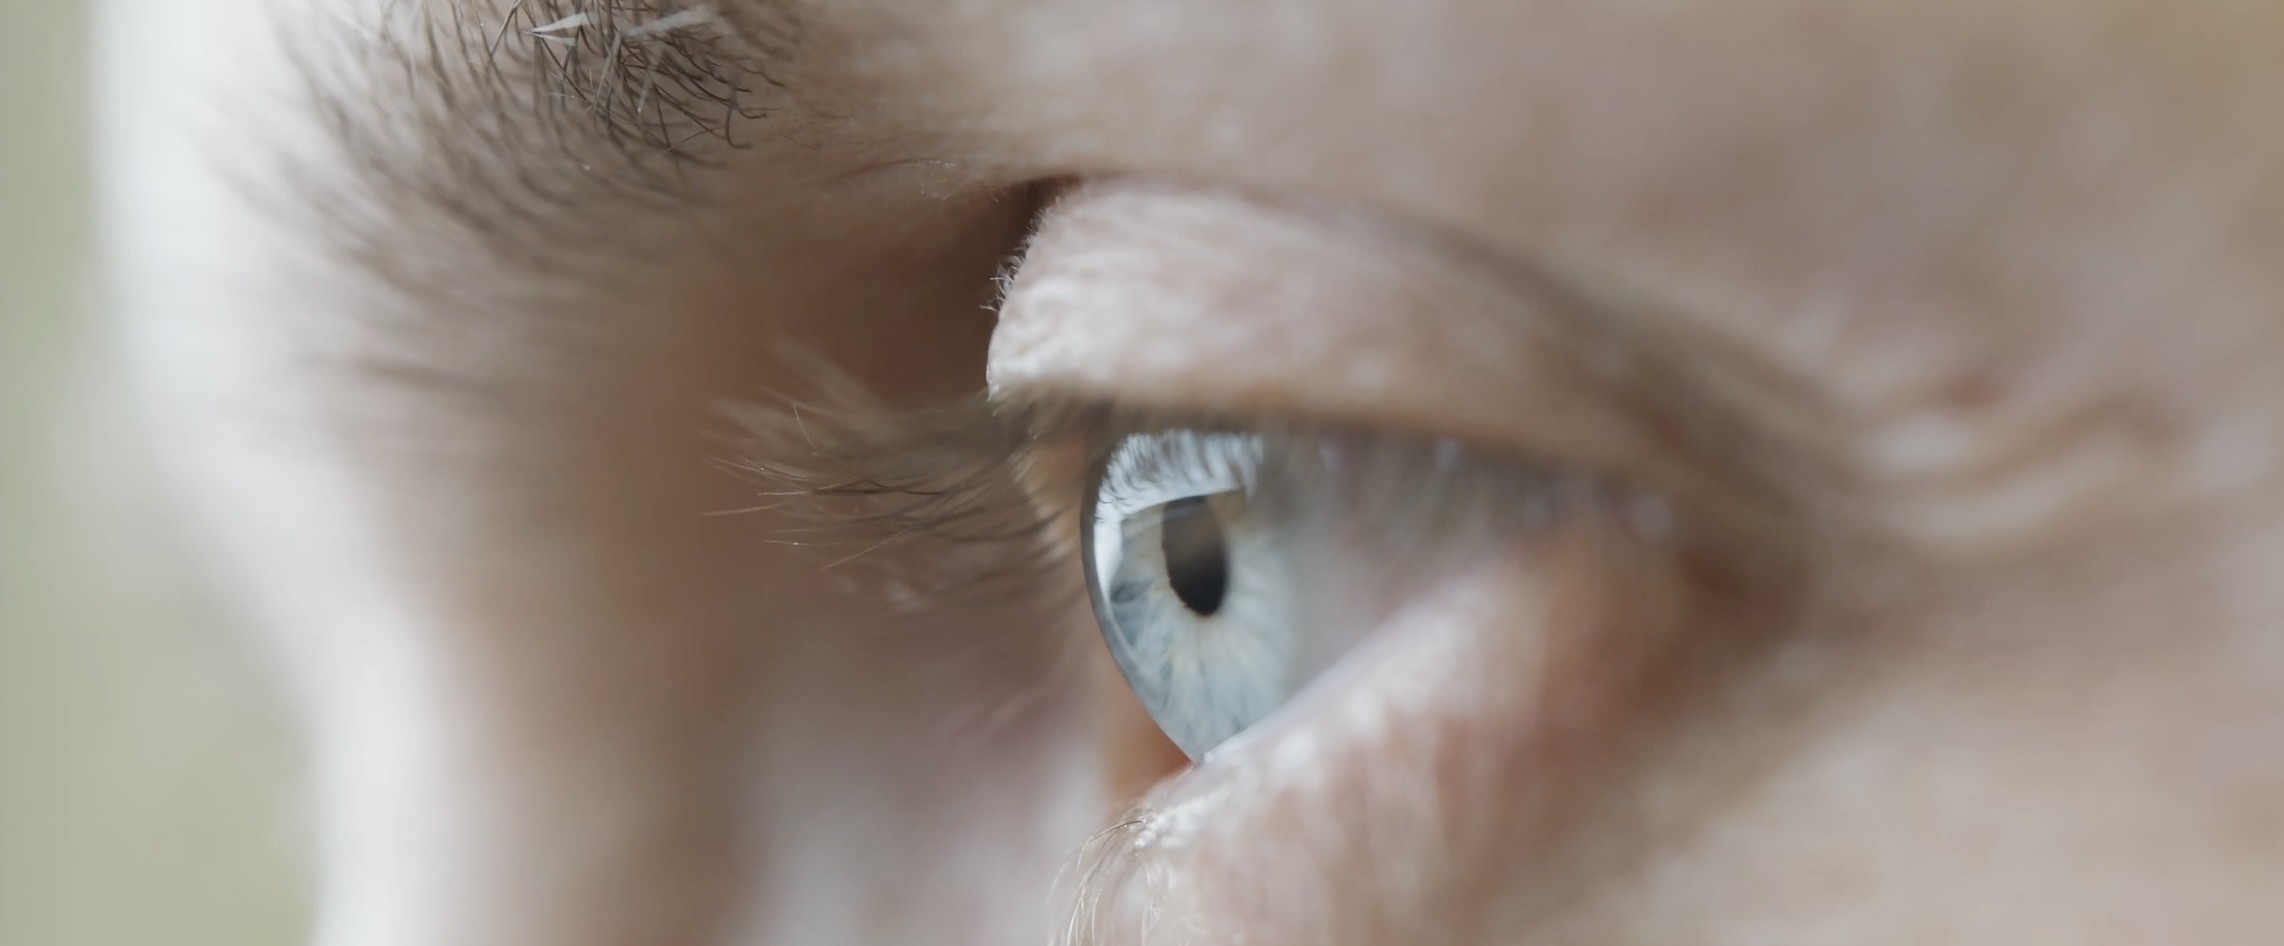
<point x="1503" y="703"/>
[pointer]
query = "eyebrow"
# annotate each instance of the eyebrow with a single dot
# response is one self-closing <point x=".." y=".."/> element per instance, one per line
<point x="534" y="134"/>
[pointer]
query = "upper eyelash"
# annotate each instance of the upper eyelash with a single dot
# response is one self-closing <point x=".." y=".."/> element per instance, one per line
<point x="853" y="477"/>
<point x="1203" y="457"/>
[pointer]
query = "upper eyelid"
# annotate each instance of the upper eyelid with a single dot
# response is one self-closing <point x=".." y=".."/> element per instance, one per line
<point x="1661" y="397"/>
<point x="1036" y="429"/>
<point x="1187" y="300"/>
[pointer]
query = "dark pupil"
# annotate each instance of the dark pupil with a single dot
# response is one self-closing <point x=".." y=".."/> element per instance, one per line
<point x="1197" y="557"/>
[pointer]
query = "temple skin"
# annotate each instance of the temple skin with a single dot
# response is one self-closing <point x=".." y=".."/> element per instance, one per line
<point x="1956" y="321"/>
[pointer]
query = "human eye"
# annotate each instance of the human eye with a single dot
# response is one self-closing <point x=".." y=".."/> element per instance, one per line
<point x="1229" y="568"/>
<point x="1257" y="499"/>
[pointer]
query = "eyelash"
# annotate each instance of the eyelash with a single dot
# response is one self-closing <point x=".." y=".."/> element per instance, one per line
<point x="853" y="478"/>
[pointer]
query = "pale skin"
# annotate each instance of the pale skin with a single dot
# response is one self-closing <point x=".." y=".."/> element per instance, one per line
<point x="1962" y="315"/>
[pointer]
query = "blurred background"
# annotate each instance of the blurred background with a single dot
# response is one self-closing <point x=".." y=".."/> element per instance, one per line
<point x="146" y="774"/>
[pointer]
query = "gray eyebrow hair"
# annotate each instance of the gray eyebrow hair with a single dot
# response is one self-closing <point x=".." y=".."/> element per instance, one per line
<point x="530" y="133"/>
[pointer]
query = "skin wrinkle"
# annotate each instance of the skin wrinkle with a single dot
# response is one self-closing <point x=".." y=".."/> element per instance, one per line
<point x="1896" y="273"/>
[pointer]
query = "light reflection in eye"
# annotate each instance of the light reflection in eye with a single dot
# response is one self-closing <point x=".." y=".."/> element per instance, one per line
<point x="1229" y="569"/>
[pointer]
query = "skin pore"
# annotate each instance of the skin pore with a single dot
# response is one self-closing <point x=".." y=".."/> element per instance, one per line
<point x="1942" y="336"/>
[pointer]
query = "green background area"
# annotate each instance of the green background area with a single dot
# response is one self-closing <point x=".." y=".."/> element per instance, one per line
<point x="146" y="786"/>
